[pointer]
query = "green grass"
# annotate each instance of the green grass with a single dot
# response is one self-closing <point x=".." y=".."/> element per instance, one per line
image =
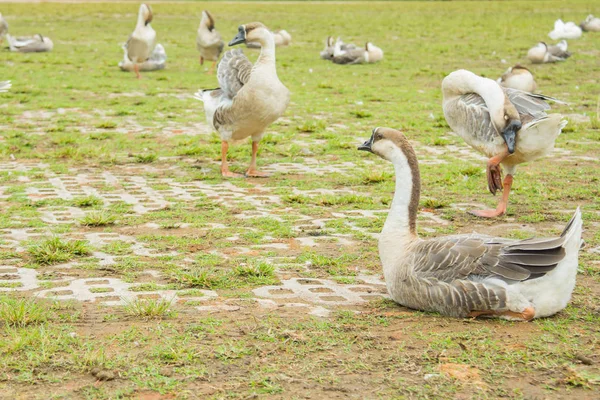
<point x="19" y="312"/>
<point x="150" y="308"/>
<point x="54" y="250"/>
<point x="98" y="218"/>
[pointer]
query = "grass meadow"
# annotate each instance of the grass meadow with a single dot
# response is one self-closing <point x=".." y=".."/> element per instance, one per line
<point x="129" y="268"/>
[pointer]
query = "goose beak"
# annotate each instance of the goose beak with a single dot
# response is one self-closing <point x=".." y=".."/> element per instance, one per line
<point x="240" y="37"/>
<point x="510" y="134"/>
<point x="366" y="146"/>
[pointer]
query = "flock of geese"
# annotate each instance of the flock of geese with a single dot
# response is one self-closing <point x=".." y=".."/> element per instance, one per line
<point x="464" y="275"/>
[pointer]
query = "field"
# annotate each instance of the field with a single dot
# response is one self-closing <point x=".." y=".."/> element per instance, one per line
<point x="130" y="269"/>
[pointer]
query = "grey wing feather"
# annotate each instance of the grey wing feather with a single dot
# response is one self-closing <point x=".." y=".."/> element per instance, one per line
<point x="233" y="72"/>
<point x="478" y="116"/>
<point x="350" y="57"/>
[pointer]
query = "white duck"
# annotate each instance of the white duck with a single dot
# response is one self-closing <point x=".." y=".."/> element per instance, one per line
<point x="4" y="86"/>
<point x="468" y="275"/>
<point x="591" y="24"/>
<point x="519" y="78"/>
<point x="368" y="54"/>
<point x="508" y="126"/>
<point x="30" y="44"/>
<point x="142" y="41"/>
<point x="563" y="30"/>
<point x="208" y="41"/>
<point x="251" y="97"/>
<point x="542" y="53"/>
<point x="157" y="60"/>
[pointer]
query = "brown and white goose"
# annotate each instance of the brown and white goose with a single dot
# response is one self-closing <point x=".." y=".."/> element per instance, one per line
<point x="208" y="41"/>
<point x="541" y="53"/>
<point x="590" y="24"/>
<point x="142" y="41"/>
<point x="468" y="275"/>
<point x="519" y="78"/>
<point x="368" y="54"/>
<point x="508" y="126"/>
<point x="251" y="97"/>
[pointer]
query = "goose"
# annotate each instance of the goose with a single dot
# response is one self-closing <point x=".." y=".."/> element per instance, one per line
<point x="141" y="42"/>
<point x="327" y="53"/>
<point x="468" y="275"/>
<point x="30" y="44"/>
<point x="3" y="28"/>
<point x="508" y="126"/>
<point x="208" y="41"/>
<point x="157" y="60"/>
<point x="518" y="77"/>
<point x="282" y="38"/>
<point x="4" y="86"/>
<point x="542" y="53"/>
<point x="591" y="24"/>
<point x="368" y="54"/>
<point x="250" y="98"/>
<point x="562" y="30"/>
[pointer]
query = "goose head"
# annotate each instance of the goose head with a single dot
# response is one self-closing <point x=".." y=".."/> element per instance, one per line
<point x="145" y="14"/>
<point x="207" y="20"/>
<point x="390" y="144"/>
<point x="507" y="121"/>
<point x="252" y="32"/>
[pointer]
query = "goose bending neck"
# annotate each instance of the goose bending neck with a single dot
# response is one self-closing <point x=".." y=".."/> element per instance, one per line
<point x="402" y="218"/>
<point x="463" y="82"/>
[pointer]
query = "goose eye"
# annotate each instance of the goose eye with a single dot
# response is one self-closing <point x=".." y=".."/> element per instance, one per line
<point x="506" y="117"/>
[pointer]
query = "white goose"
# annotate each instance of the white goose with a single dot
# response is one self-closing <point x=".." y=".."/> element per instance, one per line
<point x="327" y="53"/>
<point x="519" y="78"/>
<point x="250" y="98"/>
<point x="542" y="53"/>
<point x="208" y="41"/>
<point x="508" y="126"/>
<point x="142" y="41"/>
<point x="591" y="24"/>
<point x="4" y="86"/>
<point x="468" y="275"/>
<point x="562" y="30"/>
<point x="157" y="60"/>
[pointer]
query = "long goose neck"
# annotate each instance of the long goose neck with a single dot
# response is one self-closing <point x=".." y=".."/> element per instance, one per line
<point x="402" y="218"/>
<point x="463" y="82"/>
<point x="141" y="21"/>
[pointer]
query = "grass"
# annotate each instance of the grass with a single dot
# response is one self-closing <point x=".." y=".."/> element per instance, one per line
<point x="80" y="137"/>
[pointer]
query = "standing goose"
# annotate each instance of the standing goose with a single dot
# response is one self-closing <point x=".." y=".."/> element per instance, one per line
<point x="542" y="53"/>
<point x="591" y="24"/>
<point x="250" y="98"/>
<point x="33" y="44"/>
<point x="518" y="77"/>
<point x="368" y="54"/>
<point x="508" y="126"/>
<point x="141" y="42"/>
<point x="4" y="86"/>
<point x="208" y="41"/>
<point x="468" y="275"/>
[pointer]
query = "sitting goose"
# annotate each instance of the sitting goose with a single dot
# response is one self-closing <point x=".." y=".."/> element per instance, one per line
<point x="327" y="53"/>
<point x="141" y="42"/>
<point x="32" y="44"/>
<point x="157" y="60"/>
<point x="591" y="24"/>
<point x="3" y="28"/>
<point x="250" y="97"/>
<point x="519" y="78"/>
<point x="508" y="126"/>
<point x="4" y="86"/>
<point x="542" y="53"/>
<point x="562" y="30"/>
<point x="369" y="54"/>
<point x="468" y="275"/>
<point x="208" y="41"/>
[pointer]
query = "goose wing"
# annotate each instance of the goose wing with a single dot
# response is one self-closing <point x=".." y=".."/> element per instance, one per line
<point x="354" y="56"/>
<point x="470" y="111"/>
<point x="233" y="72"/>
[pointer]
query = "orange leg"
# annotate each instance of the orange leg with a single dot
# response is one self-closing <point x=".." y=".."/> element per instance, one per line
<point x="201" y="60"/>
<point x="211" y="70"/>
<point x="501" y="208"/>
<point x="224" y="165"/>
<point x="252" y="171"/>
<point x="136" y="69"/>
<point x="526" y="315"/>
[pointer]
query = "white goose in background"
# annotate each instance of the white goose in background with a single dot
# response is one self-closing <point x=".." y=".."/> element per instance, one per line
<point x="3" y="28"/>
<point x="542" y="53"/>
<point x="250" y="98"/>
<point x="508" y="126"/>
<point x="468" y="275"/>
<point x="368" y="54"/>
<point x="30" y="44"/>
<point x="591" y="24"/>
<point x="142" y="41"/>
<point x="519" y="78"/>
<point x="4" y="86"/>
<point x="208" y="41"/>
<point x="157" y="60"/>
<point x="562" y="30"/>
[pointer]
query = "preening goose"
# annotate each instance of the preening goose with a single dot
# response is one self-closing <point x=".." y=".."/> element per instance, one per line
<point x="468" y="275"/>
<point x="141" y="42"/>
<point x="3" y="28"/>
<point x="208" y="41"/>
<point x="542" y="53"/>
<point x="518" y="77"/>
<point x="4" y="86"/>
<point x="327" y="53"/>
<point x="32" y="44"/>
<point x="250" y="98"/>
<point x="508" y="126"/>
<point x="157" y="60"/>
<point x="591" y="24"/>
<point x="368" y="54"/>
<point x="562" y="30"/>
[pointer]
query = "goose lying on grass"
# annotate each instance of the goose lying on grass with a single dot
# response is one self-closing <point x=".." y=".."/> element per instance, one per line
<point x="157" y="60"/>
<point x="327" y="53"/>
<point x="251" y="97"/>
<point x="508" y="126"/>
<point x="30" y="44"/>
<point x="542" y="53"/>
<point x="562" y="30"/>
<point x="208" y="41"/>
<point x="519" y="78"/>
<point x="368" y="54"/>
<point x="468" y="275"/>
<point x="141" y="42"/>
<point x="591" y="24"/>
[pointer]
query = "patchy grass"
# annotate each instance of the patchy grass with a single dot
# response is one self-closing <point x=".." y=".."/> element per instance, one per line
<point x="98" y="218"/>
<point x="55" y="250"/>
<point x="150" y="308"/>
